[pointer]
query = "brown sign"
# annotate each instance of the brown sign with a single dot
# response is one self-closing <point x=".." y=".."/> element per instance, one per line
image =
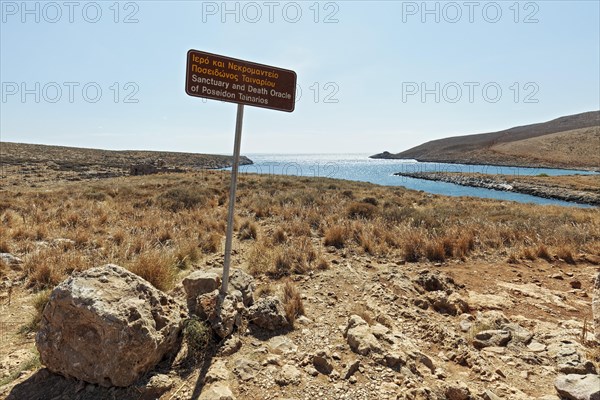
<point x="227" y="79"/>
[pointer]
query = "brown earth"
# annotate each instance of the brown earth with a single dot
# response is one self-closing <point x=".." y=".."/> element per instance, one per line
<point x="348" y="247"/>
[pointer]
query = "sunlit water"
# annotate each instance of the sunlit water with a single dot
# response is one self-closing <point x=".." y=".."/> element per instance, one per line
<point x="359" y="167"/>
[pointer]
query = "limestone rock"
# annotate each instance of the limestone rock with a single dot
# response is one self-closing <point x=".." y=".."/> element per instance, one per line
<point x="289" y="375"/>
<point x="268" y="313"/>
<point x="245" y="369"/>
<point x="496" y="338"/>
<point x="360" y="338"/>
<point x="217" y="391"/>
<point x="157" y="385"/>
<point x="239" y="280"/>
<point x="10" y="259"/>
<point x="282" y="345"/>
<point x="458" y="391"/>
<point x="198" y="283"/>
<point x="107" y="326"/>
<point x="223" y="313"/>
<point x="218" y="371"/>
<point x="578" y="387"/>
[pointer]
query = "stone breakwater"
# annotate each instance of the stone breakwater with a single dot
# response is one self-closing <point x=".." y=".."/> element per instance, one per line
<point x="499" y="183"/>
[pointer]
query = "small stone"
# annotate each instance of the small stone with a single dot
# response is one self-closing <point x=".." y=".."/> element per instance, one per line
<point x="289" y="375"/>
<point x="491" y="338"/>
<point x="536" y="347"/>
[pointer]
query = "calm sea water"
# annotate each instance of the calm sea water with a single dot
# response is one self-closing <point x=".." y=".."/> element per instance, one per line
<point x="359" y="167"/>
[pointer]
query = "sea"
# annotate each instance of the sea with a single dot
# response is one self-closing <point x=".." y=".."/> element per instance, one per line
<point x="359" y="167"/>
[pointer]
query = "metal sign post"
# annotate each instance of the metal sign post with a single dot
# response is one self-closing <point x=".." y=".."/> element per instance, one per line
<point x="216" y="77"/>
<point x="230" y="213"/>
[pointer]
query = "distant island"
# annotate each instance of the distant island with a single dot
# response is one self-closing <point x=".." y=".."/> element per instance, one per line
<point x="571" y="142"/>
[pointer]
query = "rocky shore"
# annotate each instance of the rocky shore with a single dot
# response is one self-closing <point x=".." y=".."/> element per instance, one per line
<point x="540" y="189"/>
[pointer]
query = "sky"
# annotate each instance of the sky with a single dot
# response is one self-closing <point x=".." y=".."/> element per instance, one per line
<point x="372" y="75"/>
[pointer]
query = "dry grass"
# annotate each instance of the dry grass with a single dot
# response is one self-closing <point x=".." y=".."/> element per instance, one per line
<point x="157" y="267"/>
<point x="565" y="253"/>
<point x="158" y="225"/>
<point x="248" y="231"/>
<point x="292" y="302"/>
<point x="543" y="253"/>
<point x="336" y="236"/>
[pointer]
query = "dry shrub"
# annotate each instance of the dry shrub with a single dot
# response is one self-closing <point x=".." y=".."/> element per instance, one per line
<point x="336" y="236"/>
<point x="118" y="236"/>
<point x="292" y="302"/>
<point x="435" y="251"/>
<point x="157" y="267"/>
<point x="361" y="210"/>
<point x="4" y="246"/>
<point x="528" y="254"/>
<point x="180" y="198"/>
<point x="565" y="254"/>
<point x="186" y="254"/>
<point x="447" y="243"/>
<point x="543" y="253"/>
<point x="367" y="243"/>
<point x="284" y="261"/>
<point x="263" y="291"/>
<point x="322" y="264"/>
<point x="39" y="303"/>
<point x="370" y="200"/>
<point x="300" y="229"/>
<point x="3" y="268"/>
<point x="210" y="243"/>
<point x="412" y="247"/>
<point x="512" y="258"/>
<point x="248" y="231"/>
<point x="47" y="267"/>
<point x="279" y="236"/>
<point x="464" y="245"/>
<point x="260" y="258"/>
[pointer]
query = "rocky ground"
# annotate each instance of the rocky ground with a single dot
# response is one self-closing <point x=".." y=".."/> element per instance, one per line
<point x="34" y="165"/>
<point x="379" y="329"/>
<point x="544" y="186"/>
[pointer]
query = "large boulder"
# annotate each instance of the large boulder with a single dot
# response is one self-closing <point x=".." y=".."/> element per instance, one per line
<point x="596" y="306"/>
<point x="578" y="387"/>
<point x="107" y="326"/>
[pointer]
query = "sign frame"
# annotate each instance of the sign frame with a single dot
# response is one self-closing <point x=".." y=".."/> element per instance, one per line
<point x="291" y="80"/>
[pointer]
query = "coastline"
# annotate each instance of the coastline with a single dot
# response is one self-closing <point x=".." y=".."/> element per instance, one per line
<point x="389" y="156"/>
<point x="530" y="186"/>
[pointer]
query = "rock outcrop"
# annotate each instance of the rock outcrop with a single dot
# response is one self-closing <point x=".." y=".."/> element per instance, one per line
<point x="107" y="326"/>
<point x="268" y="313"/>
<point x="578" y="387"/>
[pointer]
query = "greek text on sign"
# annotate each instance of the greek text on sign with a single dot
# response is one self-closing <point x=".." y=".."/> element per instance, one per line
<point x="228" y="79"/>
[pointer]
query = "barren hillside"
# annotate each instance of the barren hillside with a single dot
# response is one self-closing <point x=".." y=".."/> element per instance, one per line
<point x="567" y="142"/>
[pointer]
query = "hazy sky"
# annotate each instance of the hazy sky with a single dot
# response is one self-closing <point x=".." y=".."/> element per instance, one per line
<point x="372" y="76"/>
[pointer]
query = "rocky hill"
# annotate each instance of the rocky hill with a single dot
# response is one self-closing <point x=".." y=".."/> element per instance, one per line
<point x="568" y="142"/>
<point x="30" y="162"/>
